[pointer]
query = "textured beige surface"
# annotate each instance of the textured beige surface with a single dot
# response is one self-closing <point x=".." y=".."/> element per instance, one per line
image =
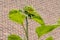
<point x="48" y="9"/>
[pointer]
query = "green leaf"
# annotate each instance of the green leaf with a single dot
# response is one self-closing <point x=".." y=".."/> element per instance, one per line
<point x="45" y="29"/>
<point x="33" y="14"/>
<point x="14" y="37"/>
<point x="58" y="22"/>
<point x="50" y="38"/>
<point x="16" y="16"/>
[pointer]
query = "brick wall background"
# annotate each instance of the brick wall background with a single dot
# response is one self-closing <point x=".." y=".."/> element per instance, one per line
<point x="48" y="9"/>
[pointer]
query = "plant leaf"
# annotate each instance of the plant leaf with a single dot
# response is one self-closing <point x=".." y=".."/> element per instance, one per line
<point x="50" y="38"/>
<point x="45" y="29"/>
<point x="33" y="14"/>
<point x="14" y="37"/>
<point x="58" y="22"/>
<point x="16" y="16"/>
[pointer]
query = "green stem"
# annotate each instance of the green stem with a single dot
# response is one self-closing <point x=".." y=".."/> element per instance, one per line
<point x="27" y="29"/>
<point x="24" y="30"/>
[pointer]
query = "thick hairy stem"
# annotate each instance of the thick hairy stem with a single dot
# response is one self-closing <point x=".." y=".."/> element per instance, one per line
<point x="27" y="29"/>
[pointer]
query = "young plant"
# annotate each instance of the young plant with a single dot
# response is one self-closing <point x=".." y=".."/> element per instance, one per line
<point x="28" y="12"/>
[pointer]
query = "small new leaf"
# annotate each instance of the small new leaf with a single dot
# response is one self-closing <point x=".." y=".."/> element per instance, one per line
<point x="49" y="38"/>
<point x="14" y="37"/>
<point x="33" y="14"/>
<point x="45" y="29"/>
<point x="16" y="16"/>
